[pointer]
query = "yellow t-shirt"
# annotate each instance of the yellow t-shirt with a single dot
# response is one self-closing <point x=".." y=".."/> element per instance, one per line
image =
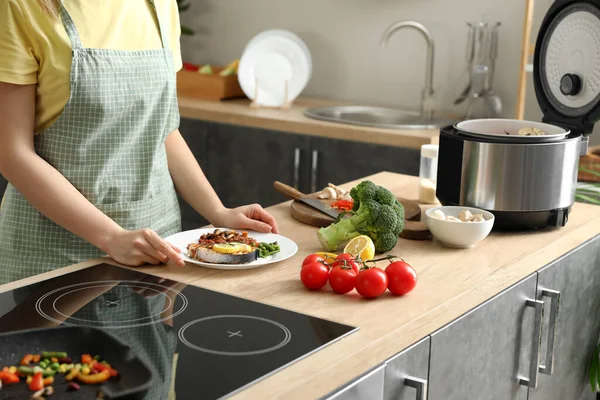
<point x="34" y="47"/>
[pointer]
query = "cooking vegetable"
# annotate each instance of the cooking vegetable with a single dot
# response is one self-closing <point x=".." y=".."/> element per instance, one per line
<point x="9" y="378"/>
<point x="43" y="364"/>
<point x="402" y="278"/>
<point x="38" y="394"/>
<point x="72" y="386"/>
<point x="376" y="213"/>
<point x="13" y="370"/>
<point x="54" y="366"/>
<point x="371" y="282"/>
<point x="93" y="379"/>
<point x="347" y="260"/>
<point x="86" y="358"/>
<point x="312" y="258"/>
<point x="37" y="382"/>
<point x="73" y="373"/>
<point x="65" y="360"/>
<point x="342" y="279"/>
<point x="27" y="359"/>
<point x="24" y="370"/>
<point x="48" y="391"/>
<point x="36" y="358"/>
<point x="56" y="354"/>
<point x="85" y="370"/>
<point x="48" y="381"/>
<point x="361" y="247"/>
<point x="314" y="275"/>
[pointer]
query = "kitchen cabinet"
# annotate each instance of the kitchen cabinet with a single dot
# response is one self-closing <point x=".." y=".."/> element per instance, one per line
<point x="368" y="386"/>
<point x="339" y="161"/>
<point x="570" y="289"/>
<point x="488" y="351"/>
<point x="244" y="163"/>
<point x="195" y="133"/>
<point x="406" y="373"/>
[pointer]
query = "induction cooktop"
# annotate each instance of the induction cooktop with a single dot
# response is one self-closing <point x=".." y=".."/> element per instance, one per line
<point x="202" y="344"/>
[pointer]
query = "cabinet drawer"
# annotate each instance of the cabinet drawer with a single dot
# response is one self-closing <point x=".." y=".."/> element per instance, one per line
<point x="369" y="386"/>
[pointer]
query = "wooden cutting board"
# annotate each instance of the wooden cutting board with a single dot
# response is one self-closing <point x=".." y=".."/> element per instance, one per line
<point x="414" y="229"/>
<point x="308" y="215"/>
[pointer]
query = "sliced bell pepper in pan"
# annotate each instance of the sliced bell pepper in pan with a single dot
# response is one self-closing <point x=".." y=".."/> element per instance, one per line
<point x="93" y="379"/>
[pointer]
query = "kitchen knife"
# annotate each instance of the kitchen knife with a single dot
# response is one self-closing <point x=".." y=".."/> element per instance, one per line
<point x="299" y="196"/>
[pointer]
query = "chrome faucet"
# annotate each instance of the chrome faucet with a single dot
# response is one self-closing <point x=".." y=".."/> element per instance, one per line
<point x="427" y="101"/>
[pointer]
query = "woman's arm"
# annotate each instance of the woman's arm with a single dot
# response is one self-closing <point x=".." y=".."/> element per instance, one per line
<point x="192" y="185"/>
<point x="54" y="196"/>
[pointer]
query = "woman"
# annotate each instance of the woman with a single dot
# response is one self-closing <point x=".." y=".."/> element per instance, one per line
<point x="89" y="139"/>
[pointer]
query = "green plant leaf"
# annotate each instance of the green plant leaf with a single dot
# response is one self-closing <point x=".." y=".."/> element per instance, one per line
<point x="589" y="171"/>
<point x="587" y="199"/>
<point x="593" y="372"/>
<point x="186" y="31"/>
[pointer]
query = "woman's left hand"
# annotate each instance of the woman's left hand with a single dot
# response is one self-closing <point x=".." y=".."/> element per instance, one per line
<point x="252" y="217"/>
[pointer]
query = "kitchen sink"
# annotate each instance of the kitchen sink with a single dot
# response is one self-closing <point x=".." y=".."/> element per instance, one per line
<point x="376" y="117"/>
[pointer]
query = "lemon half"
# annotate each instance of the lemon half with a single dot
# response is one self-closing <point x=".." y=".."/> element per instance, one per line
<point x="361" y="246"/>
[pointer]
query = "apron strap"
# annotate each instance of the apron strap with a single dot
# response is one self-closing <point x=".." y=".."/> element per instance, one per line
<point x="74" y="35"/>
<point x="161" y="29"/>
<point x="70" y="27"/>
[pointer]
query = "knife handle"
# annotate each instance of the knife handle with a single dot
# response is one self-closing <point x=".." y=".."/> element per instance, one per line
<point x="288" y="190"/>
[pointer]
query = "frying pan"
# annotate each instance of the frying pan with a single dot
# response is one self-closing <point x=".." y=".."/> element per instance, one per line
<point x="135" y="374"/>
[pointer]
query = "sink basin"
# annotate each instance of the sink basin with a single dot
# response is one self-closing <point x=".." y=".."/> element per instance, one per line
<point x="376" y="117"/>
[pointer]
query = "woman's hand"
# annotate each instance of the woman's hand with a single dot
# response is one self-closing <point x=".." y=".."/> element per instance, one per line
<point x="144" y="246"/>
<point x="251" y="217"/>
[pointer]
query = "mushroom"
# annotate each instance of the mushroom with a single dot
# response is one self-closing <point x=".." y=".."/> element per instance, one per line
<point x="338" y="190"/>
<point x="451" y="218"/>
<point x="439" y="214"/>
<point x="465" y="216"/>
<point x="477" y="218"/>
<point x="328" y="193"/>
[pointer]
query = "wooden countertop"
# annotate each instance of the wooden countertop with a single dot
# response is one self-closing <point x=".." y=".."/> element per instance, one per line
<point x="451" y="282"/>
<point x="238" y="112"/>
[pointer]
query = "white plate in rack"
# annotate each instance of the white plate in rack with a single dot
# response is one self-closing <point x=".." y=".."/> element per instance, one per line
<point x="271" y="60"/>
<point x="288" y="248"/>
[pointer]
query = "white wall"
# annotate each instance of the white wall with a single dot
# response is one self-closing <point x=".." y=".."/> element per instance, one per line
<point x="344" y="39"/>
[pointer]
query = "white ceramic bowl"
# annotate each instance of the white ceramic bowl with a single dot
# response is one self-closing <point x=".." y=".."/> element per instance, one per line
<point x="459" y="234"/>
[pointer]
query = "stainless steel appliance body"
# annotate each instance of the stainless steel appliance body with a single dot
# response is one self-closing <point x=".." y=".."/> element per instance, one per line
<point x="526" y="185"/>
<point x="527" y="179"/>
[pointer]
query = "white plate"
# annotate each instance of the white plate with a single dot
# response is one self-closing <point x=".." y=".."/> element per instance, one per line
<point x="288" y="248"/>
<point x="271" y="58"/>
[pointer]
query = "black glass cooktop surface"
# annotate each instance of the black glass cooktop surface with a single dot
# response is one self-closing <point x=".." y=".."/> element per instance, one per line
<point x="202" y="344"/>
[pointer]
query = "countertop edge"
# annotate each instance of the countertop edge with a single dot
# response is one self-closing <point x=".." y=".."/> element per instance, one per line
<point x="238" y="112"/>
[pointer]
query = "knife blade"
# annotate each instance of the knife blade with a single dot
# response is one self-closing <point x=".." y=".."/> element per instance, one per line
<point x="299" y="196"/>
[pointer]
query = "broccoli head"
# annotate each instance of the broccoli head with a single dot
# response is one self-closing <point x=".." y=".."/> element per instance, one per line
<point x="376" y="213"/>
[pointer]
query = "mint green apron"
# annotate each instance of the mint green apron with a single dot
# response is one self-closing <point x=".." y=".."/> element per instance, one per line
<point x="109" y="143"/>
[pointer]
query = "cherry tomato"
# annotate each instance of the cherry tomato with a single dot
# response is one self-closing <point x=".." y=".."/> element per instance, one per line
<point x="402" y="278"/>
<point x="371" y="283"/>
<point x="342" y="280"/>
<point x="312" y="258"/>
<point x="347" y="259"/>
<point x="314" y="275"/>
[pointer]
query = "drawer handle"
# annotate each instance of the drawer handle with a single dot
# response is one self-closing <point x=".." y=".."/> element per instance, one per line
<point x="554" y="296"/>
<point x="532" y="381"/>
<point x="296" y="171"/>
<point x="420" y="385"/>
<point x="313" y="171"/>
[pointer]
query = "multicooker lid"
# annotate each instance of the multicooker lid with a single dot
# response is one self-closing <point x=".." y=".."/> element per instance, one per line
<point x="567" y="65"/>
